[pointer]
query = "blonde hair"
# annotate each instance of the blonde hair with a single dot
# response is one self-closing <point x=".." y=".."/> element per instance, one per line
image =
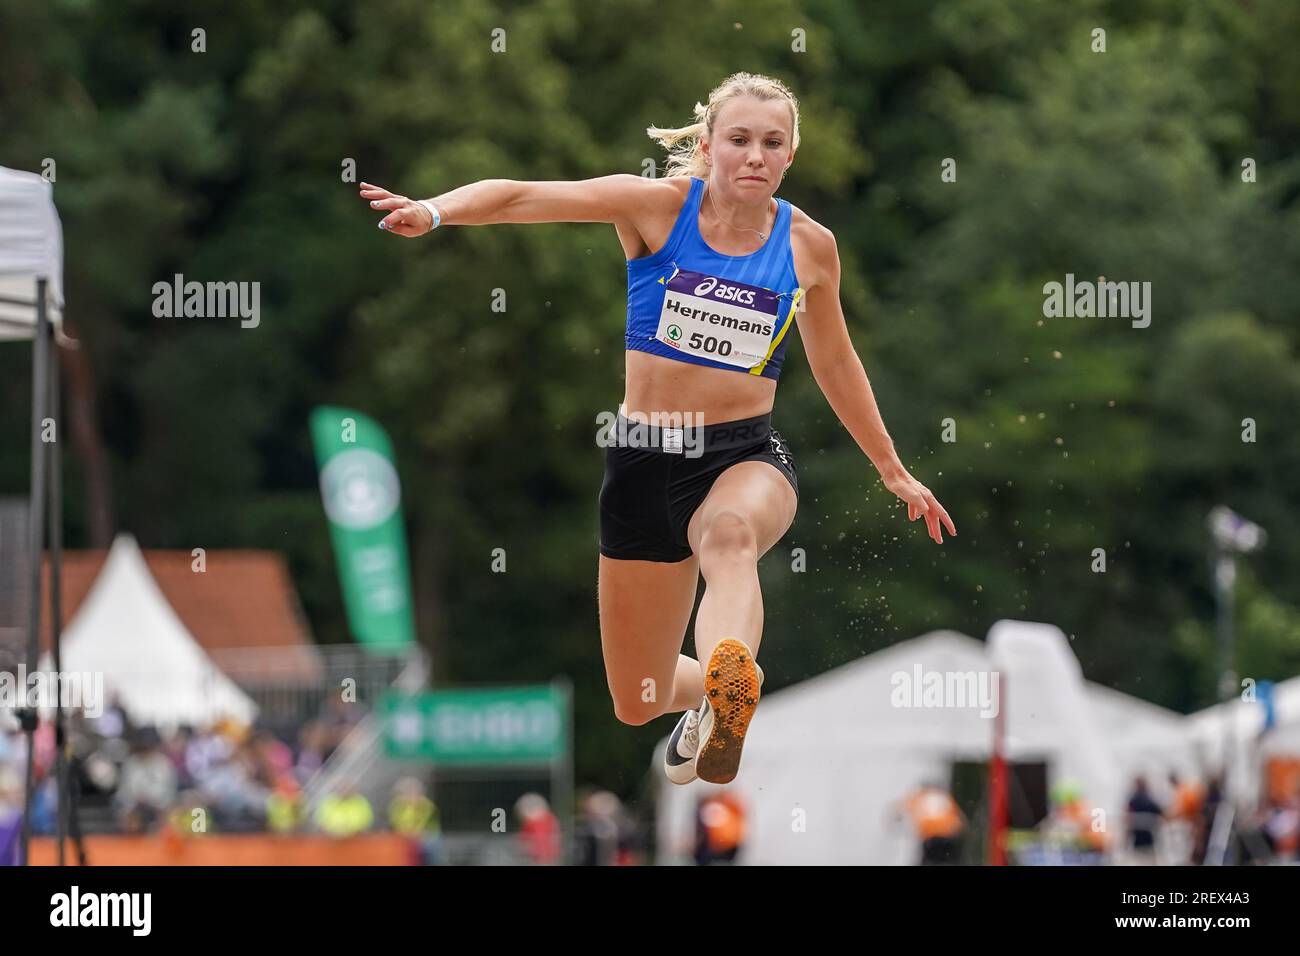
<point x="685" y="155"/>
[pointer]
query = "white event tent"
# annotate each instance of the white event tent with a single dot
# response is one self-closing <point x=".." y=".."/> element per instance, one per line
<point x="31" y="248"/>
<point x="126" y="630"/>
<point x="826" y="760"/>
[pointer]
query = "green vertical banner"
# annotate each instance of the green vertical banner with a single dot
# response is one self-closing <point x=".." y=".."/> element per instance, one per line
<point x="363" y="501"/>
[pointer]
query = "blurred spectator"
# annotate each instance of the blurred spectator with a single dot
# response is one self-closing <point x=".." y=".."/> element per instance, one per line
<point x="1210" y="799"/>
<point x="1071" y="823"/>
<point x="44" y="749"/>
<point x="605" y="835"/>
<point x="938" y="822"/>
<point x="174" y="746"/>
<point x="101" y="774"/>
<point x="45" y="806"/>
<point x="238" y="800"/>
<point x="1282" y="828"/>
<point x="720" y="828"/>
<point x="1188" y="798"/>
<point x="275" y="759"/>
<point x="338" y="720"/>
<point x="189" y="816"/>
<point x="148" y="784"/>
<point x="11" y="814"/>
<point x="312" y="745"/>
<point x="412" y="814"/>
<point x="345" y="813"/>
<point x="1144" y="816"/>
<point x="204" y="752"/>
<point x="13" y="750"/>
<point x="1184" y="814"/>
<point x="284" y="807"/>
<point x="539" y="830"/>
<point x="113" y="722"/>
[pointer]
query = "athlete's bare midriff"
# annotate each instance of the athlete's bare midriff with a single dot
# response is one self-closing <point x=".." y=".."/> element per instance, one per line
<point x="663" y="385"/>
<point x="658" y="384"/>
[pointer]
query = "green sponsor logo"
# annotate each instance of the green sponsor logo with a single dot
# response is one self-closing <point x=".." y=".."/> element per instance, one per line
<point x="360" y="489"/>
<point x="525" y="725"/>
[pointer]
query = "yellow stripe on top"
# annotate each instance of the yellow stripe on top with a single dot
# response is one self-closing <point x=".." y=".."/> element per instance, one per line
<point x="794" y="304"/>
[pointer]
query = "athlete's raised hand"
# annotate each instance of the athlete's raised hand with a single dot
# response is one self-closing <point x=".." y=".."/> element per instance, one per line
<point x="406" y="217"/>
<point x="921" y="501"/>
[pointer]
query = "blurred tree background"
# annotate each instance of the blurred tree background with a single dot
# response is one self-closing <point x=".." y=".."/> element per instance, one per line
<point x="1071" y="434"/>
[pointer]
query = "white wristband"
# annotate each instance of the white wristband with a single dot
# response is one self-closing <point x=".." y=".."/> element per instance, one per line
<point x="437" y="218"/>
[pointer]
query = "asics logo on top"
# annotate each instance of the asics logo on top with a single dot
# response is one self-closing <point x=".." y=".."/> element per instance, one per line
<point x="723" y="291"/>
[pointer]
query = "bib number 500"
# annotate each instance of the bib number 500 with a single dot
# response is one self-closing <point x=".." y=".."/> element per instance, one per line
<point x="708" y="343"/>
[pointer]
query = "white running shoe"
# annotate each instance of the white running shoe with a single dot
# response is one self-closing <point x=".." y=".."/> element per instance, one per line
<point x="684" y="743"/>
<point x="679" y="759"/>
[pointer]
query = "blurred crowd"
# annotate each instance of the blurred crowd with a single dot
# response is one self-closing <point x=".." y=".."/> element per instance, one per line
<point x="1186" y="823"/>
<point x="233" y="778"/>
<point x="135" y="778"/>
<point x="1193" y="825"/>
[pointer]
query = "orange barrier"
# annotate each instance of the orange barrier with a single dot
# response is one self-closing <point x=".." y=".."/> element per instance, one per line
<point x="232" y="849"/>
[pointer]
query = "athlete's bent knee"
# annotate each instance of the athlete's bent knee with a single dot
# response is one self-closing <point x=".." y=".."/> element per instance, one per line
<point x="729" y="534"/>
<point x="638" y="712"/>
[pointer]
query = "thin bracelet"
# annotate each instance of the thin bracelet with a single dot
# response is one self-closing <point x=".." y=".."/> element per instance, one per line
<point x="433" y="210"/>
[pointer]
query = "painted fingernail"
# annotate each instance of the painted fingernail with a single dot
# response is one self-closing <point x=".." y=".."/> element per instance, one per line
<point x="382" y="224"/>
<point x="374" y="203"/>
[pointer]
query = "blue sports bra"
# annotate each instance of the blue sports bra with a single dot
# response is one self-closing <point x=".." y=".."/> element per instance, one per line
<point x="690" y="303"/>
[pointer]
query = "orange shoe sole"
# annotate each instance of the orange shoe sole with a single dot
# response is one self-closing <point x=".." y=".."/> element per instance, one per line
<point x="731" y="684"/>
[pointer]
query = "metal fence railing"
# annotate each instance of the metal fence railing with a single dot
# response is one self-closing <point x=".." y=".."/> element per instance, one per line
<point x="293" y="684"/>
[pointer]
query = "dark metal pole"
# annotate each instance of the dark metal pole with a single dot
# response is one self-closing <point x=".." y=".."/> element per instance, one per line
<point x="562" y="774"/>
<point x="36" y="527"/>
<point x="56" y="605"/>
<point x="1225" y="575"/>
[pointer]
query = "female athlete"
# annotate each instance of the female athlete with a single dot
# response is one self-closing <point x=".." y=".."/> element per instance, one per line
<point x="697" y="482"/>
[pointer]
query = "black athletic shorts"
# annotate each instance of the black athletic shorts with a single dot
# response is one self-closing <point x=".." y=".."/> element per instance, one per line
<point x="655" y="479"/>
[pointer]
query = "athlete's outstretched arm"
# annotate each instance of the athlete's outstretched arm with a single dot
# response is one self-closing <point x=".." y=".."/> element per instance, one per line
<point x="842" y="379"/>
<point x="620" y="198"/>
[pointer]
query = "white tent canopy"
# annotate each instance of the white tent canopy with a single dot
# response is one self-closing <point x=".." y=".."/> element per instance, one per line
<point x="31" y="247"/>
<point x="126" y="630"/>
<point x="1239" y="725"/>
<point x="827" y="760"/>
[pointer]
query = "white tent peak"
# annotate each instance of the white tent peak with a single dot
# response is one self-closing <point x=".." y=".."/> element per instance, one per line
<point x="126" y="630"/>
<point x="1021" y="642"/>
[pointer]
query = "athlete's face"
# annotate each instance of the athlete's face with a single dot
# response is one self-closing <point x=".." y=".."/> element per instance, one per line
<point x="750" y="146"/>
